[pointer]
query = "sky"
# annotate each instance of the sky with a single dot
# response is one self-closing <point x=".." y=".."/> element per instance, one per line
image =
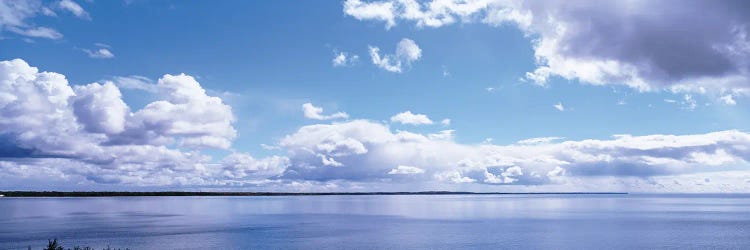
<point x="385" y="95"/>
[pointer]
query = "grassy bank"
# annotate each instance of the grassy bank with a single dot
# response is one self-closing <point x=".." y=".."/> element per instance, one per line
<point x="54" y="245"/>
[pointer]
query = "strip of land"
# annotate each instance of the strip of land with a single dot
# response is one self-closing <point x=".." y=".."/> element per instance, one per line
<point x="179" y="193"/>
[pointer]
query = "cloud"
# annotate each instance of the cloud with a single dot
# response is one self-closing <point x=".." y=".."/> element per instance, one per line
<point x="15" y="13"/>
<point x="241" y="165"/>
<point x="505" y="177"/>
<point x="52" y="132"/>
<point x="446" y="73"/>
<point x="454" y="177"/>
<point x="135" y="82"/>
<point x="343" y="59"/>
<point x="99" y="108"/>
<point x="15" y="17"/>
<point x="430" y="14"/>
<point x="187" y="114"/>
<point x="34" y="110"/>
<point x="638" y="58"/>
<point x="48" y="12"/>
<point x="446" y="122"/>
<point x="87" y="131"/>
<point x="574" y="40"/>
<point x="407" y="117"/>
<point x="728" y="100"/>
<point x="407" y="52"/>
<point x="539" y="140"/>
<point x="103" y="52"/>
<point x="39" y="32"/>
<point x="269" y="147"/>
<point x="687" y="102"/>
<point x="559" y="106"/>
<point x="316" y="113"/>
<point x="365" y="149"/>
<point x="73" y="8"/>
<point x="406" y="170"/>
<point x="382" y="11"/>
<point x="446" y="135"/>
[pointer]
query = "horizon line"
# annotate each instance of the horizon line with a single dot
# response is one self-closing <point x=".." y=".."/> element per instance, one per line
<point x="235" y="193"/>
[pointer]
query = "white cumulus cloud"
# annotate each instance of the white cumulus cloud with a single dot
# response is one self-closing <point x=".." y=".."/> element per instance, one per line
<point x="407" y="117"/>
<point x="99" y="108"/>
<point x="382" y="11"/>
<point x="87" y="132"/>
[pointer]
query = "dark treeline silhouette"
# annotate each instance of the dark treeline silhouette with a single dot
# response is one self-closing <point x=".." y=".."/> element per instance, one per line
<point x="180" y="193"/>
<point x="54" y="245"/>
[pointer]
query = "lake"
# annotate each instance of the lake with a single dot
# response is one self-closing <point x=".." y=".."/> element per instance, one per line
<point x="380" y="222"/>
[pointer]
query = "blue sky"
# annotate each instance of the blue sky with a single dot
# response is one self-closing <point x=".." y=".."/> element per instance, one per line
<point x="495" y="69"/>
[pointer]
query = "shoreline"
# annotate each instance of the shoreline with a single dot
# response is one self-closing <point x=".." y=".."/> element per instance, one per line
<point x="10" y="194"/>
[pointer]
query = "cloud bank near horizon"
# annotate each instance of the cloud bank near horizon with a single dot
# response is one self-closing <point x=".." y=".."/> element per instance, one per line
<point x="88" y="136"/>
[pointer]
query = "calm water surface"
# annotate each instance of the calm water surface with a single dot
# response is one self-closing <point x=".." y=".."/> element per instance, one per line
<point x="381" y="222"/>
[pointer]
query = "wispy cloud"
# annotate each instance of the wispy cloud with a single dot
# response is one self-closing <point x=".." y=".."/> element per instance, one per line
<point x="407" y="52"/>
<point x="344" y="59"/>
<point x="559" y="106"/>
<point x="17" y="16"/>
<point x="73" y="8"/>
<point x="316" y="113"/>
<point x="99" y="53"/>
<point x="135" y="82"/>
